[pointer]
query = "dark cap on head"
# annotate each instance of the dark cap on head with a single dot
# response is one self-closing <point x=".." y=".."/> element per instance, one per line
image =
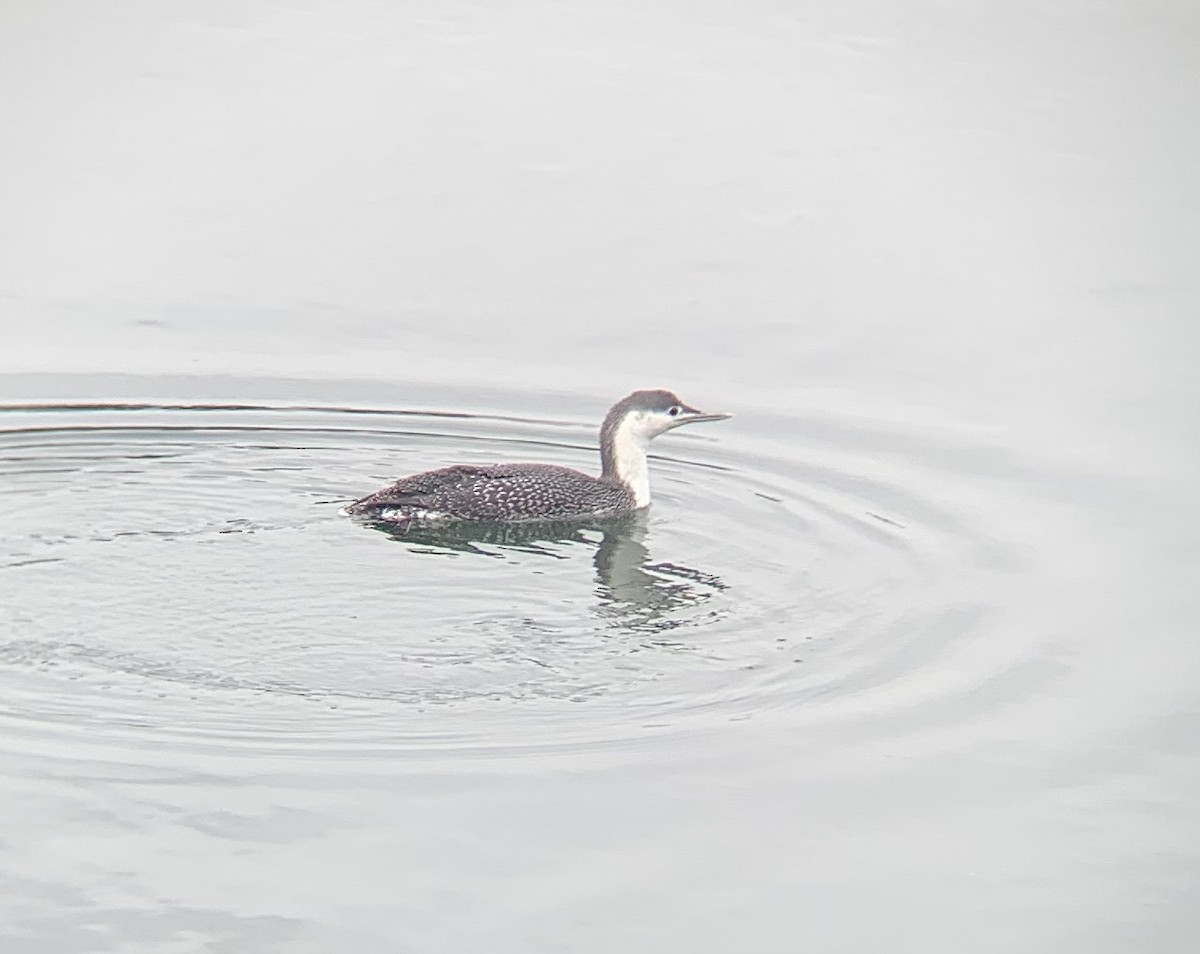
<point x="653" y="400"/>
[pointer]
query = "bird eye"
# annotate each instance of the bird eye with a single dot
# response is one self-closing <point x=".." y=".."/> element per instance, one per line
<point x="674" y="411"/>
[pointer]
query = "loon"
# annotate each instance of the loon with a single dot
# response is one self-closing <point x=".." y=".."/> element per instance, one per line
<point x="541" y="492"/>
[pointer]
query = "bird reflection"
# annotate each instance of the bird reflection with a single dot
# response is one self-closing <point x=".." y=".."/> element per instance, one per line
<point x="632" y="591"/>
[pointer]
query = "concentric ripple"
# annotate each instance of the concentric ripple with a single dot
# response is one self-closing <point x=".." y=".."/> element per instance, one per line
<point x="184" y="570"/>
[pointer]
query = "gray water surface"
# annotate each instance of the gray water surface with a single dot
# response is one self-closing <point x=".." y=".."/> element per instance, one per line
<point x="903" y="657"/>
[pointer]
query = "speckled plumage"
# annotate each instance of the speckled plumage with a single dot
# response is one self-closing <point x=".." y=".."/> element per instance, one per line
<point x="541" y="492"/>
<point x="496" y="492"/>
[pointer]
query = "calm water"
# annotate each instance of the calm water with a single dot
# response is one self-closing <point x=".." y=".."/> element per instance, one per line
<point x="905" y="656"/>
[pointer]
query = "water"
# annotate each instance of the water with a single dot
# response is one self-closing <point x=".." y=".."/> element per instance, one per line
<point x="904" y="654"/>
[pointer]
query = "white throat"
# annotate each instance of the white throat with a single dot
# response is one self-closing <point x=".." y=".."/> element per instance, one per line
<point x="629" y="456"/>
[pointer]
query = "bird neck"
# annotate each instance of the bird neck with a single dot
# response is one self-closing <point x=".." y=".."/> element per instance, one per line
<point x="623" y="458"/>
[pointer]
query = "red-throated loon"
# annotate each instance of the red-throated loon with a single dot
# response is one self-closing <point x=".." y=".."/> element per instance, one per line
<point x="510" y="492"/>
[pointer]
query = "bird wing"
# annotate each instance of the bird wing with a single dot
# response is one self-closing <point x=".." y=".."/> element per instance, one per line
<point x="491" y="491"/>
<point x="417" y="490"/>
